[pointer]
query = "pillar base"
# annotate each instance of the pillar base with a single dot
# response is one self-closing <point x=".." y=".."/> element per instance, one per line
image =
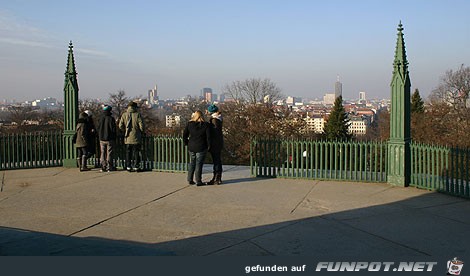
<point x="69" y="163"/>
<point x="398" y="180"/>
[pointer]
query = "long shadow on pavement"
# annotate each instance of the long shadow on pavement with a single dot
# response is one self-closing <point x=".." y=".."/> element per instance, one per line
<point x="429" y="225"/>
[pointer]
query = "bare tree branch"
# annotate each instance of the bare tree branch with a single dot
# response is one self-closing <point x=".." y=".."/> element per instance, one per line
<point x="253" y="91"/>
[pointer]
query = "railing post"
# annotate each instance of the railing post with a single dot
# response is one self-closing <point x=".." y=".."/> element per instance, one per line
<point x="70" y="111"/>
<point x="399" y="157"/>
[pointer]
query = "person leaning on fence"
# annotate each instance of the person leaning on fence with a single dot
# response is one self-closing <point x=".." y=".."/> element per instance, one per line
<point x="132" y="125"/>
<point x="196" y="136"/>
<point x="107" y="135"/>
<point x="217" y="143"/>
<point x="81" y="139"/>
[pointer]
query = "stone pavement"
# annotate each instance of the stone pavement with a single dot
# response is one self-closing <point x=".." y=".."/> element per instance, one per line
<point x="59" y="211"/>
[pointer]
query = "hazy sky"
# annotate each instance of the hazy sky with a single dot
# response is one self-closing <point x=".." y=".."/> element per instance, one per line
<point x="183" y="46"/>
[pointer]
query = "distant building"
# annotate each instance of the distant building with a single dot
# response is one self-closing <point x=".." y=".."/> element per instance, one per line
<point x="359" y="124"/>
<point x="222" y="98"/>
<point x="153" y="96"/>
<point x="329" y="99"/>
<point x="315" y="123"/>
<point x="46" y="103"/>
<point x="207" y="94"/>
<point x="291" y="101"/>
<point x="173" y="120"/>
<point x="338" y="88"/>
<point x="362" y="96"/>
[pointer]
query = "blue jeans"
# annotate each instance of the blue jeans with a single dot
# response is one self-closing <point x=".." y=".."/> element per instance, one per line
<point x="195" y="165"/>
<point x="216" y="158"/>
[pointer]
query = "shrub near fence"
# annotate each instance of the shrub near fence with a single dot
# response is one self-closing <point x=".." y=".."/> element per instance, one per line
<point x="351" y="161"/>
<point x="31" y="150"/>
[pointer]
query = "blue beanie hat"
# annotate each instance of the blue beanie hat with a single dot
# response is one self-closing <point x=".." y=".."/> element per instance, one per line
<point x="212" y="108"/>
<point x="107" y="108"/>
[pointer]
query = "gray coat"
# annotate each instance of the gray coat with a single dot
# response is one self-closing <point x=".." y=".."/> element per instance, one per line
<point x="83" y="133"/>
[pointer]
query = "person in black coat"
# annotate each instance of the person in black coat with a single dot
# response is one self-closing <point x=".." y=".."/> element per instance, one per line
<point x="92" y="134"/>
<point x="217" y="143"/>
<point x="196" y="136"/>
<point x="107" y="135"/>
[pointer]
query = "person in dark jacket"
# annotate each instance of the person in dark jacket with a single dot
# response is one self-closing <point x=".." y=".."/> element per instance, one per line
<point x="91" y="148"/>
<point x="82" y="141"/>
<point x="217" y="143"/>
<point x="107" y="135"/>
<point x="196" y="136"/>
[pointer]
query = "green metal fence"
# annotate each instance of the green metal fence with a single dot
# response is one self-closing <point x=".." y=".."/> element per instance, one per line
<point x="31" y="150"/>
<point x="457" y="174"/>
<point x="441" y="168"/>
<point x="351" y="161"/>
<point x="429" y="164"/>
<point x="45" y="149"/>
<point x="438" y="168"/>
<point x="159" y="153"/>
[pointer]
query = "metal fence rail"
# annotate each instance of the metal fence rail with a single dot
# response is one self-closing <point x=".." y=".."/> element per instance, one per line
<point x="429" y="165"/>
<point x="351" y="161"/>
<point x="31" y="150"/>
<point x="441" y="168"/>
<point x="158" y="153"/>
<point x="457" y="174"/>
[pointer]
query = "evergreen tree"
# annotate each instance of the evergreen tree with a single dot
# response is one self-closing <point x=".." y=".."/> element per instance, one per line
<point x="417" y="103"/>
<point x="336" y="128"/>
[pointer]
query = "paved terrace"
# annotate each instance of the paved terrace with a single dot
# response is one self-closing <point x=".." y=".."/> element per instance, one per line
<point x="59" y="211"/>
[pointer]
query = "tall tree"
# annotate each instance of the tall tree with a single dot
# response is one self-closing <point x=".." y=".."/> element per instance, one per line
<point x="253" y="91"/>
<point x="448" y="116"/>
<point x="417" y="103"/>
<point x="20" y="114"/>
<point x="118" y="102"/>
<point x="454" y="88"/>
<point x="337" y="125"/>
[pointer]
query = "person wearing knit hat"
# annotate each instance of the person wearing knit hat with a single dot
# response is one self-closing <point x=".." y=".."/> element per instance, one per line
<point x="217" y="143"/>
<point x="107" y="134"/>
<point x="212" y="108"/>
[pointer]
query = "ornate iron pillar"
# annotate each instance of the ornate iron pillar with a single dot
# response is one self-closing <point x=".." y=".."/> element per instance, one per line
<point x="399" y="155"/>
<point x="70" y="111"/>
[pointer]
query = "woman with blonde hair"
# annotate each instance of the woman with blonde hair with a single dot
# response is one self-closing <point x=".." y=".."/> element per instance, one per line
<point x="196" y="136"/>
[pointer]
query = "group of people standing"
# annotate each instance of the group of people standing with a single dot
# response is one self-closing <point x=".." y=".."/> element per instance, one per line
<point x="200" y="136"/>
<point x="131" y="124"/>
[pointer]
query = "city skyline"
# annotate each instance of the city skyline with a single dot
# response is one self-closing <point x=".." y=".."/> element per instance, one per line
<point x="184" y="46"/>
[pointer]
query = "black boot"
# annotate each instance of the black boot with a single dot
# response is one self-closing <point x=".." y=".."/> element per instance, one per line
<point x="218" y="179"/>
<point x="84" y="167"/>
<point x="212" y="181"/>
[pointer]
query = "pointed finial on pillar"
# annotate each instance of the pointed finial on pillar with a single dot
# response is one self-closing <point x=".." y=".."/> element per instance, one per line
<point x="400" y="27"/>
<point x="70" y="110"/>
<point x="399" y="153"/>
